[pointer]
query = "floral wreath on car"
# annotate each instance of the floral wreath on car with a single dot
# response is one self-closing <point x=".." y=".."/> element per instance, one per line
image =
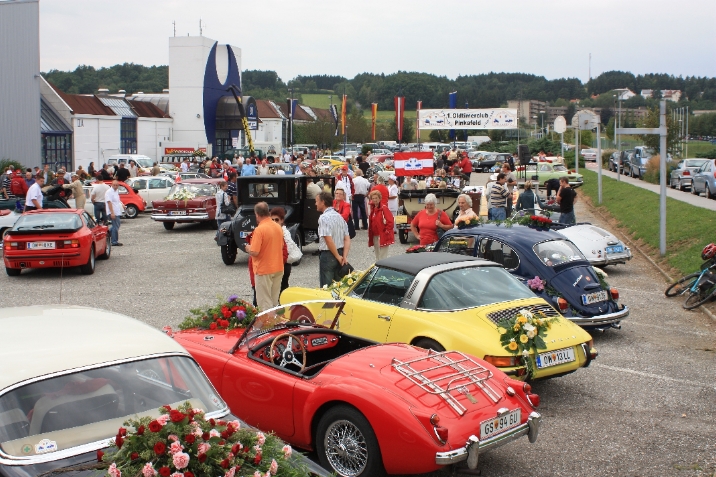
<point x="182" y="194"/>
<point x="183" y="443"/>
<point x="344" y="282"/>
<point x="227" y="314"/>
<point x="523" y="333"/>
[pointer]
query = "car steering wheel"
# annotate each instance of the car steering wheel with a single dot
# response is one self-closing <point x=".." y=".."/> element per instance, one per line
<point x="288" y="356"/>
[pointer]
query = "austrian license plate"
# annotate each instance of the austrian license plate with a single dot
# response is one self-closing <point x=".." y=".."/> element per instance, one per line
<point x="595" y="297"/>
<point x="553" y="358"/>
<point x="615" y="249"/>
<point x="177" y="212"/>
<point x="500" y="424"/>
<point x="401" y="219"/>
<point x="41" y="245"/>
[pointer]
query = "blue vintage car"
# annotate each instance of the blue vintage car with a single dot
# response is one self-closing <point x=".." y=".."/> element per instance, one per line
<point x="568" y="281"/>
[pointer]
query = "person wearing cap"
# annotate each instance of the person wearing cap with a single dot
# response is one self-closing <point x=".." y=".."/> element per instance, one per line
<point x="393" y="193"/>
<point x="78" y="192"/>
<point x="346" y="183"/>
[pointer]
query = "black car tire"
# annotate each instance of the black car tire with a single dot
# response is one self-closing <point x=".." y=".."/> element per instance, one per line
<point x="693" y="189"/>
<point x="403" y="236"/>
<point x="345" y="420"/>
<point x="168" y="225"/>
<point x="13" y="272"/>
<point x="131" y="211"/>
<point x="107" y="250"/>
<point x="709" y="195"/>
<point x="427" y="343"/>
<point x="88" y="268"/>
<point x="228" y="252"/>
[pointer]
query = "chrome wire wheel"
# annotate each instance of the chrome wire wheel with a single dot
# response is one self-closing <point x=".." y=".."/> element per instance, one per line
<point x="346" y="448"/>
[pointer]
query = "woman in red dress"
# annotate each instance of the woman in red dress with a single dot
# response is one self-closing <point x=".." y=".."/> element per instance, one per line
<point x="425" y="224"/>
<point x="380" y="226"/>
<point x="341" y="206"/>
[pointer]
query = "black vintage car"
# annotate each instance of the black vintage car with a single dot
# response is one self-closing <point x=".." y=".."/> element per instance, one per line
<point x="288" y="191"/>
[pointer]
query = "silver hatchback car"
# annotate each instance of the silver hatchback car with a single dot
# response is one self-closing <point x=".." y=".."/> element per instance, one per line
<point x="705" y="180"/>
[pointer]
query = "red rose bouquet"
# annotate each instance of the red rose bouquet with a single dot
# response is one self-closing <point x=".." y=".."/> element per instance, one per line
<point x="226" y="315"/>
<point x="183" y="443"/>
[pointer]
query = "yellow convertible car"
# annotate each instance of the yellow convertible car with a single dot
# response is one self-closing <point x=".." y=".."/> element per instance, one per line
<point x="447" y="302"/>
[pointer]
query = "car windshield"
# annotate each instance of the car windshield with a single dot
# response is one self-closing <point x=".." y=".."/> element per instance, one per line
<point x="556" y="252"/>
<point x="471" y="287"/>
<point x="263" y="189"/>
<point x="144" y="162"/>
<point x="196" y="189"/>
<point x="321" y="312"/>
<point x="695" y="162"/>
<point x="70" y="410"/>
<point x="48" y="222"/>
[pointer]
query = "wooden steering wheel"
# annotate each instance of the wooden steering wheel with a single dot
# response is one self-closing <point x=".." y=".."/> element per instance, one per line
<point x="288" y="356"/>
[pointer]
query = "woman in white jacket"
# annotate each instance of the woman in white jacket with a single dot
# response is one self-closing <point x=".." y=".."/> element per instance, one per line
<point x="278" y="214"/>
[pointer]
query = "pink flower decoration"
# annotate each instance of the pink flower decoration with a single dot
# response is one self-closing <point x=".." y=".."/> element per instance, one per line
<point x="536" y="284"/>
<point x="148" y="470"/>
<point x="177" y="474"/>
<point x="180" y="460"/>
<point x="172" y="437"/>
<point x="236" y="425"/>
<point x="231" y="472"/>
<point x="197" y="432"/>
<point x="214" y="433"/>
<point x="198" y="411"/>
<point x="163" y="419"/>
<point x="261" y="438"/>
<point x="273" y="468"/>
<point x="114" y="471"/>
<point x="258" y="474"/>
<point x="203" y="448"/>
<point x="287" y="451"/>
<point x="176" y="447"/>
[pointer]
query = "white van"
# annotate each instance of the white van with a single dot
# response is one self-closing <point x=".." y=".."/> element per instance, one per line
<point x="144" y="163"/>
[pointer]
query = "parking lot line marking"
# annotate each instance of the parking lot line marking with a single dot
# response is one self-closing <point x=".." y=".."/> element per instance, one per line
<point x="672" y="329"/>
<point x="654" y="376"/>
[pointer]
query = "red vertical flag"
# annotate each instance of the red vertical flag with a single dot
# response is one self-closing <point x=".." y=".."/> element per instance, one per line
<point x="374" y="113"/>
<point x="343" y="114"/>
<point x="399" y="112"/>
<point x="417" y="121"/>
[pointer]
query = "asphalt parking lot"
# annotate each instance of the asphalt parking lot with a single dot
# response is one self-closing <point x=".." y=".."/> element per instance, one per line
<point x="646" y="406"/>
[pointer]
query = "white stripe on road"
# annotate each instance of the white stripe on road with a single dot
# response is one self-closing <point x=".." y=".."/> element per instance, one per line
<point x="654" y="376"/>
<point x="671" y="329"/>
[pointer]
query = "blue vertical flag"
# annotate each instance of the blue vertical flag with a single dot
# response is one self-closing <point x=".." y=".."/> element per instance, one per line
<point x="453" y="105"/>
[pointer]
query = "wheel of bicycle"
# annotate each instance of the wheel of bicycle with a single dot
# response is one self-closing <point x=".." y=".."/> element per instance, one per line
<point x="682" y="285"/>
<point x="699" y="298"/>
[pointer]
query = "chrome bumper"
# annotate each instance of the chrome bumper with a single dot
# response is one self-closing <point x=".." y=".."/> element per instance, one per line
<point x="600" y="320"/>
<point x="474" y="447"/>
<point x="612" y="259"/>
<point x="179" y="218"/>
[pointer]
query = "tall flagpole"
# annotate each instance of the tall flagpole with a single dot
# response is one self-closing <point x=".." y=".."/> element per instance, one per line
<point x="344" y="113"/>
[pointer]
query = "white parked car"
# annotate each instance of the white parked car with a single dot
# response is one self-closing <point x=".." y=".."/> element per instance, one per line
<point x="7" y="220"/>
<point x="151" y="188"/>
<point x="589" y="154"/>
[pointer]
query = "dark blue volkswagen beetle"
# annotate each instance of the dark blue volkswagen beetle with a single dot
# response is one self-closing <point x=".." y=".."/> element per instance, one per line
<point x="570" y="283"/>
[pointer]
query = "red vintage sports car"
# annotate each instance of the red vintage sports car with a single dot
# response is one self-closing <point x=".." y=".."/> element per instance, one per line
<point x="188" y="201"/>
<point x="54" y="238"/>
<point x="365" y="408"/>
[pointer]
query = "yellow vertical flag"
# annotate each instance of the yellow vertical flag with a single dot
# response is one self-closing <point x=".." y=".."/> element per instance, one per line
<point x="343" y="114"/>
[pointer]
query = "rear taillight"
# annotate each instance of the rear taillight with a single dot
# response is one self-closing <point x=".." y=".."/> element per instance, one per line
<point x="432" y="425"/>
<point x="68" y="244"/>
<point x="526" y="388"/>
<point x="14" y="245"/>
<point x="442" y="434"/>
<point x="533" y="399"/>
<point x="503" y="361"/>
<point x="593" y="353"/>
<point x="615" y="293"/>
<point x="562" y="304"/>
<point x="714" y="175"/>
<point x="686" y="173"/>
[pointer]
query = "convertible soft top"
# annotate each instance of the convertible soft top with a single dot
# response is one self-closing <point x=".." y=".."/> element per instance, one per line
<point x="413" y="263"/>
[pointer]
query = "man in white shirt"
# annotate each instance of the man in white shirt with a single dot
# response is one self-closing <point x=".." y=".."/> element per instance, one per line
<point x="345" y="181"/>
<point x="33" y="199"/>
<point x="114" y="210"/>
<point x="185" y="166"/>
<point x="287" y="157"/>
<point x="361" y="186"/>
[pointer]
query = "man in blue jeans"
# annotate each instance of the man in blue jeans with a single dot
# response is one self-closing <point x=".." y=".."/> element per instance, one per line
<point x="566" y="197"/>
<point x="498" y="199"/>
<point x="114" y="210"/>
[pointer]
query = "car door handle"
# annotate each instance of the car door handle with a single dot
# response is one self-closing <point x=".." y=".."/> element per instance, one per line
<point x="384" y="317"/>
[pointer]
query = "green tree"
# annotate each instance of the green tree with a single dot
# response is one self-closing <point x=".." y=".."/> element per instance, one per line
<point x="408" y="131"/>
<point x="653" y="140"/>
<point x="359" y="129"/>
<point x="318" y="132"/>
<point x="610" y="128"/>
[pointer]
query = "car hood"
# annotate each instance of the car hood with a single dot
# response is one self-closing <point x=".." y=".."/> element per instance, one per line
<point x="588" y="234"/>
<point x="181" y="204"/>
<point x="220" y="340"/>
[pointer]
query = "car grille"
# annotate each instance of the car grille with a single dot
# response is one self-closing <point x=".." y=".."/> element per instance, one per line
<point x="500" y="315"/>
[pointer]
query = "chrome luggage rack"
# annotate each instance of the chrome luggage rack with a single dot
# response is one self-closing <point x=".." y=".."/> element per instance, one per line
<point x="462" y="371"/>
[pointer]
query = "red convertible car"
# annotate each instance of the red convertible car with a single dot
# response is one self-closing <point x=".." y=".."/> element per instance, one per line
<point x="365" y="408"/>
<point x="54" y="238"/>
<point x="188" y="201"/>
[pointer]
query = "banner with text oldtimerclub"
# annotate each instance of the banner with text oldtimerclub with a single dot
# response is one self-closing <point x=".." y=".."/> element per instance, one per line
<point x="498" y="118"/>
<point x="413" y="163"/>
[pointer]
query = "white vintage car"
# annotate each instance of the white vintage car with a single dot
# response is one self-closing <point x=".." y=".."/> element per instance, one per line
<point x="151" y="188"/>
<point x="601" y="247"/>
<point x="7" y="220"/>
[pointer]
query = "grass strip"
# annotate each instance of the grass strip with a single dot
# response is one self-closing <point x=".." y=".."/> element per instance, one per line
<point x="688" y="228"/>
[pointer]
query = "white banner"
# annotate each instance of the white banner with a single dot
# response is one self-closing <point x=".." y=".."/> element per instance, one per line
<point x="498" y="118"/>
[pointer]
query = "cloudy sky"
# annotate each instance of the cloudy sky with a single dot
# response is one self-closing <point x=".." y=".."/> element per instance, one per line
<point x="552" y="38"/>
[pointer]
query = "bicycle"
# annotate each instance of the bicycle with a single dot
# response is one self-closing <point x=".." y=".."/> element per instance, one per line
<point x="701" y="286"/>
<point x="685" y="283"/>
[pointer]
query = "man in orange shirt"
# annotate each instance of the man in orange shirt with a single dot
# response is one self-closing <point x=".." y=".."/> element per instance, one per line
<point x="266" y="252"/>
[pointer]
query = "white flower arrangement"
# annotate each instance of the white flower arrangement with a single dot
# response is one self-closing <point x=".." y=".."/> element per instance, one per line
<point x="182" y="194"/>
